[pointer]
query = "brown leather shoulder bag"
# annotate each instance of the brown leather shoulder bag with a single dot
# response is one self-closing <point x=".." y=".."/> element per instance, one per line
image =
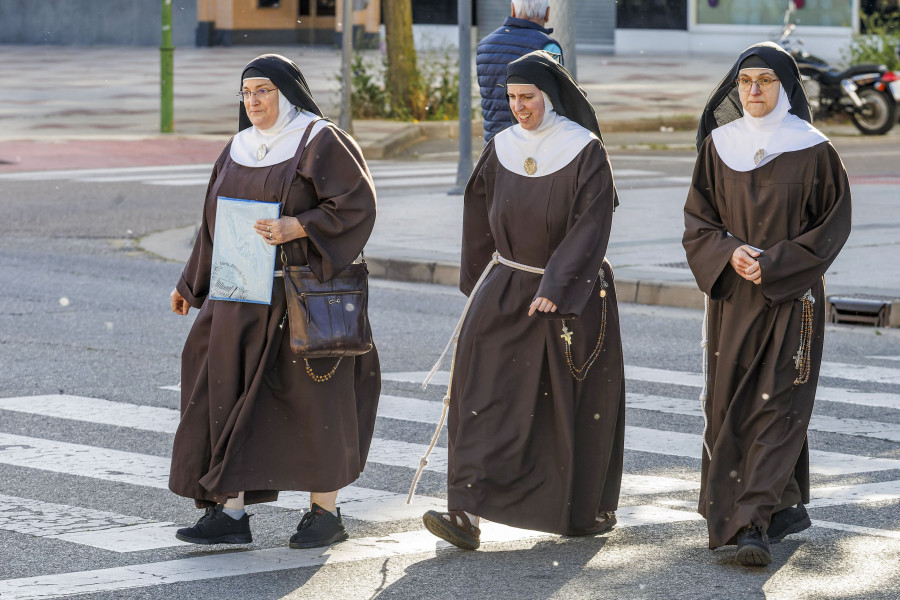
<point x="326" y="318"/>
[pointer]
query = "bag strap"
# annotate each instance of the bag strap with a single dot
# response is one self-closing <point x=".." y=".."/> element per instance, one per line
<point x="289" y="178"/>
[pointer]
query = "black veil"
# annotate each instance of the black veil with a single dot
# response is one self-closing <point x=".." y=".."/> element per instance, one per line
<point x="286" y="76"/>
<point x="538" y="68"/>
<point x="724" y="104"/>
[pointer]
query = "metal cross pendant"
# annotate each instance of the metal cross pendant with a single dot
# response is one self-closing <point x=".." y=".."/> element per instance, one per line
<point x="798" y="358"/>
<point x="566" y="335"/>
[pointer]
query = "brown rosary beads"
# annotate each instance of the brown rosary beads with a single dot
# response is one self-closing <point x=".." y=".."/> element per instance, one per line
<point x="801" y="360"/>
<point x="580" y="374"/>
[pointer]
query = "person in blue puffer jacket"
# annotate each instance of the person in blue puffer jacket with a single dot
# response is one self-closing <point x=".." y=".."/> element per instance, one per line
<point x="522" y="32"/>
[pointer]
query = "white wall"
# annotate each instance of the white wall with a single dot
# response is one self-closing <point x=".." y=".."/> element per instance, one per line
<point x="827" y="42"/>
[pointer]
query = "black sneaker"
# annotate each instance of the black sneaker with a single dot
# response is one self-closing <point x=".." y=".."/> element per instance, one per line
<point x="792" y="519"/>
<point x="753" y="547"/>
<point x="215" y="527"/>
<point x="319" y="527"/>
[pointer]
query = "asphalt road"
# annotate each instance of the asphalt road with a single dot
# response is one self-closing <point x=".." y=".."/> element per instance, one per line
<point x="84" y="317"/>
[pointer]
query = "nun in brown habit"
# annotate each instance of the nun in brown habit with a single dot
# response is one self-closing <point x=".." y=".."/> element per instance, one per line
<point x="537" y="398"/>
<point x="767" y="213"/>
<point x="253" y="420"/>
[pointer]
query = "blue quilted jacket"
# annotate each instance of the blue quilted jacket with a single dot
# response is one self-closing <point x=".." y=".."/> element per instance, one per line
<point x="517" y="37"/>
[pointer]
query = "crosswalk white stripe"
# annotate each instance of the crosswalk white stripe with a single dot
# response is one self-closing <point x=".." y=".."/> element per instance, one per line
<point x="382" y="172"/>
<point x="279" y="559"/>
<point x="153" y="471"/>
<point x="70" y="173"/>
<point x="375" y="506"/>
<point x="830" y="394"/>
<point x="96" y="410"/>
<point x="440" y="378"/>
<point x="674" y="443"/>
<point x="89" y="527"/>
<point x="866" y="373"/>
<point x="35" y="517"/>
<point x="177" y="182"/>
<point x="887" y="533"/>
<point x="405" y="182"/>
<point x="405" y="454"/>
<point x="885" y="357"/>
<point x="863" y="373"/>
<point x="652" y="375"/>
<point x="880" y="491"/>
<point x="868" y="531"/>
<point x="846" y="426"/>
<point x="140" y="177"/>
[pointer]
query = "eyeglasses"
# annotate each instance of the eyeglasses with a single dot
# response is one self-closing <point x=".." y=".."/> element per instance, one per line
<point x="745" y="83"/>
<point x="261" y="93"/>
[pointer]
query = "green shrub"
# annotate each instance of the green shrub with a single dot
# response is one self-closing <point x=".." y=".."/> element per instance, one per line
<point x="435" y="95"/>
<point x="879" y="44"/>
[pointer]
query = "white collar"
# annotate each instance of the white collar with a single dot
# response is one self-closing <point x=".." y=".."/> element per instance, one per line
<point x="277" y="143"/>
<point x="750" y="142"/>
<point x="552" y="146"/>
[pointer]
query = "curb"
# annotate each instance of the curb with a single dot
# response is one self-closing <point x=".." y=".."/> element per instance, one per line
<point x="415" y="133"/>
<point x="174" y="245"/>
<point x="632" y="291"/>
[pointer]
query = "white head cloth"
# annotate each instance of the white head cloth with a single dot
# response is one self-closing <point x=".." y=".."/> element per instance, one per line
<point x="750" y="142"/>
<point x="553" y="145"/>
<point x="280" y="140"/>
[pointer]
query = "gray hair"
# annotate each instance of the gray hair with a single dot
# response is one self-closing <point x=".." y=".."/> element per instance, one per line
<point x="531" y="9"/>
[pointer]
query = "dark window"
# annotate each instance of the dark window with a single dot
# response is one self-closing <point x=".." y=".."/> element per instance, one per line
<point x="269" y="3"/>
<point x="429" y="12"/>
<point x="303" y="8"/>
<point x="651" y="14"/>
<point x="325" y="8"/>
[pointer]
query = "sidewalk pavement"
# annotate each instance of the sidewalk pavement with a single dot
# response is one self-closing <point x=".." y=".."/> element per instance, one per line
<point x="98" y="107"/>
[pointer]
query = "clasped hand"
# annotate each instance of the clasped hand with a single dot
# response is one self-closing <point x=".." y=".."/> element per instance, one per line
<point x="743" y="261"/>
<point x="279" y="231"/>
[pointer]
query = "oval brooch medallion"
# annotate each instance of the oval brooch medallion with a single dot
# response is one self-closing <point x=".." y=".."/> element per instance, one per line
<point x="760" y="154"/>
<point x="530" y="166"/>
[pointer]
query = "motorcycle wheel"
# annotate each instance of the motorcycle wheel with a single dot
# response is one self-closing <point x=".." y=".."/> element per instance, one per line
<point x="878" y="113"/>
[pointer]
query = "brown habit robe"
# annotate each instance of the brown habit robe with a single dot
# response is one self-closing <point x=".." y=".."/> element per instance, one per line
<point x="530" y="446"/>
<point x="252" y="419"/>
<point x="796" y="208"/>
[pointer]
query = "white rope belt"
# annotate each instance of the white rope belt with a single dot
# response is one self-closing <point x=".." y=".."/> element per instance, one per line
<point x="704" y="343"/>
<point x="454" y="340"/>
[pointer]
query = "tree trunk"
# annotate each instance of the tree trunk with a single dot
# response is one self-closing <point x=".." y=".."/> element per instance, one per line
<point x="402" y="75"/>
<point x="562" y="20"/>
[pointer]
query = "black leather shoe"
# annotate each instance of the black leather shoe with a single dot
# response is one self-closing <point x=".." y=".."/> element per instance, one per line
<point x="215" y="527"/>
<point x="318" y="528"/>
<point x="792" y="519"/>
<point x="753" y="547"/>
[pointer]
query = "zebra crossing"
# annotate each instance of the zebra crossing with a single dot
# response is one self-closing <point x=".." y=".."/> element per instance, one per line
<point x="647" y="499"/>
<point x="387" y="175"/>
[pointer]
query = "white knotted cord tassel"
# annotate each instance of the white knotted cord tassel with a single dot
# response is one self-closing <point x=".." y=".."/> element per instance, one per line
<point x="704" y="343"/>
<point x="454" y="339"/>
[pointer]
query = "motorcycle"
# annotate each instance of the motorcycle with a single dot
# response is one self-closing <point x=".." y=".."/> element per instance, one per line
<point x="868" y="93"/>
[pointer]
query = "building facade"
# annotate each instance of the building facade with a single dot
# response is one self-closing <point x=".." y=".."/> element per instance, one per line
<point x="602" y="26"/>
